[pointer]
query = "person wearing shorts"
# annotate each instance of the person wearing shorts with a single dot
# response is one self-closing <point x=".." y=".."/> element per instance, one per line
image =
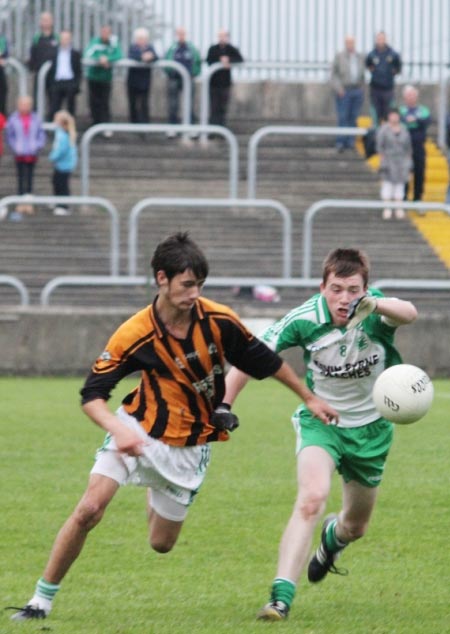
<point x="161" y="436"/>
<point x="346" y="333"/>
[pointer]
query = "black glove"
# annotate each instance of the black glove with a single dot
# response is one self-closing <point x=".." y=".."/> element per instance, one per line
<point x="223" y="418"/>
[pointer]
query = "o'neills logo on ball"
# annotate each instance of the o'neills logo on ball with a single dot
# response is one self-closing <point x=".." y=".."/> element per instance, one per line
<point x="391" y="404"/>
<point x="421" y="384"/>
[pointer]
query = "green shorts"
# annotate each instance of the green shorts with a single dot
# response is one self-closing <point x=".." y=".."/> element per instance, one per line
<point x="359" y="452"/>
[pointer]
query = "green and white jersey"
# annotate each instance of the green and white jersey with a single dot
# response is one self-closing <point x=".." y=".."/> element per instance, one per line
<point x="342" y="365"/>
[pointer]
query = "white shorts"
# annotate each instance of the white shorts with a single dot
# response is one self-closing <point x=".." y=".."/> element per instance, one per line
<point x="174" y="474"/>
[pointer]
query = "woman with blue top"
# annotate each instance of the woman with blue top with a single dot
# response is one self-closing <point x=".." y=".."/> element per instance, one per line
<point x="64" y="157"/>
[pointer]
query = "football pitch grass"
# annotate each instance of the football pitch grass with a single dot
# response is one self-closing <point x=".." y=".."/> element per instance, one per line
<point x="219" y="573"/>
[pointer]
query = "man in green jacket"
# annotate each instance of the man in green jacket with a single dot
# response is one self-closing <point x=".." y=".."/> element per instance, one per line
<point x="186" y="54"/>
<point x="101" y="52"/>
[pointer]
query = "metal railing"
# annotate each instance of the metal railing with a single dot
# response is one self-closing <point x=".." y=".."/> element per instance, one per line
<point x="10" y="280"/>
<point x="443" y="111"/>
<point x="21" y="72"/>
<point x="79" y="200"/>
<point x="353" y="204"/>
<point x="164" y="64"/>
<point x="137" y="128"/>
<point x="209" y="71"/>
<point x="202" y="203"/>
<point x="252" y="156"/>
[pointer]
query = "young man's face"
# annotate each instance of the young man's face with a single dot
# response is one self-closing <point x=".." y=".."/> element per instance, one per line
<point x="339" y="292"/>
<point x="181" y="291"/>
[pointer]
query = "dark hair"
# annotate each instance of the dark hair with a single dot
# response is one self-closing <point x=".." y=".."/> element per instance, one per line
<point x="393" y="110"/>
<point x="346" y="262"/>
<point x="177" y="253"/>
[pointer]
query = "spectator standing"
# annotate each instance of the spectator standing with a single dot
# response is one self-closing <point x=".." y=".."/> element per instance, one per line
<point x="64" y="76"/>
<point x="416" y="117"/>
<point x="186" y="54"/>
<point x="43" y="49"/>
<point x="347" y="81"/>
<point x="394" y="147"/>
<point x="102" y="51"/>
<point x="3" y="81"/>
<point x="220" y="81"/>
<point x="384" y="64"/>
<point x="139" y="79"/>
<point x="25" y="137"/>
<point x="64" y="157"/>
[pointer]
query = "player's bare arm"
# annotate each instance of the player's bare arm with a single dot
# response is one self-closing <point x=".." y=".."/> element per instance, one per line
<point x="397" y="311"/>
<point x="127" y="440"/>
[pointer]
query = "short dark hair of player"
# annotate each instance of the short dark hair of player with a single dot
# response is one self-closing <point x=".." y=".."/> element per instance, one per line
<point x="346" y="262"/>
<point x="176" y="254"/>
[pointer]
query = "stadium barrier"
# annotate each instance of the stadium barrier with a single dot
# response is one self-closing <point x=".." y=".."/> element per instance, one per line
<point x="163" y="64"/>
<point x="139" y="128"/>
<point x="202" y="203"/>
<point x="21" y="72"/>
<point x="255" y="139"/>
<point x="81" y="201"/>
<point x="354" y="204"/>
<point x="10" y="280"/>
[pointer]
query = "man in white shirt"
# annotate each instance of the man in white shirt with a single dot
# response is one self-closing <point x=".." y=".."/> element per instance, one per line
<point x="64" y="75"/>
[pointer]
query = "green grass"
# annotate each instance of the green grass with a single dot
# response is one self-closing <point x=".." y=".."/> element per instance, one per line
<point x="219" y="574"/>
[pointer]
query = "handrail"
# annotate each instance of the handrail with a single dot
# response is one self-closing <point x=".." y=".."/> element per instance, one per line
<point x="137" y="128"/>
<point x="22" y="74"/>
<point x="225" y="282"/>
<point x="79" y="200"/>
<point x="442" y="111"/>
<point x="141" y="280"/>
<point x="209" y="202"/>
<point x="126" y="63"/>
<point x="353" y="204"/>
<point x="209" y="71"/>
<point x="288" y="129"/>
<point x="10" y="280"/>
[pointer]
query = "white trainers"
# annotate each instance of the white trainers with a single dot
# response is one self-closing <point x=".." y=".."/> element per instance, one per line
<point x="387" y="214"/>
<point x="171" y="134"/>
<point x="399" y="214"/>
<point x="61" y="211"/>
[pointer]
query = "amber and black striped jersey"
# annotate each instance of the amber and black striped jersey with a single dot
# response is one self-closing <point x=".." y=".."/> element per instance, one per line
<point x="182" y="380"/>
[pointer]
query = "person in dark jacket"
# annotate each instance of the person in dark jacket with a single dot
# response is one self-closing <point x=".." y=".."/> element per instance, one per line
<point x="384" y="64"/>
<point x="140" y="79"/>
<point x="3" y="81"/>
<point x="220" y="83"/>
<point x="416" y="117"/>
<point x="43" y="49"/>
<point x="64" y="76"/>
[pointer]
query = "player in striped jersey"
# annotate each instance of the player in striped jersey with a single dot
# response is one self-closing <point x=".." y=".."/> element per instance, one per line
<point x="160" y="438"/>
<point x="346" y="333"/>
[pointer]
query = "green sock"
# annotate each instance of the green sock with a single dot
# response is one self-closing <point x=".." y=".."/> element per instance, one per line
<point x="283" y="590"/>
<point x="45" y="589"/>
<point x="332" y="543"/>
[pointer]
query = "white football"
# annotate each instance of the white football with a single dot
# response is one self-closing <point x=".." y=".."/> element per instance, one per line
<point x="403" y="393"/>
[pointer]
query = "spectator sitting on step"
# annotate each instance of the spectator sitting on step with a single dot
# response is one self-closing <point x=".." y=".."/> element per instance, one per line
<point x="139" y="79"/>
<point x="394" y="148"/>
<point x="25" y="137"/>
<point x="64" y="157"/>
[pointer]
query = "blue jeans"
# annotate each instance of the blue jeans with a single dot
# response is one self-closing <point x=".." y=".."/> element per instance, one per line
<point x="348" y="108"/>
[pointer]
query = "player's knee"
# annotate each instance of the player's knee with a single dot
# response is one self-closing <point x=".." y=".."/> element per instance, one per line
<point x="88" y="513"/>
<point x="312" y="506"/>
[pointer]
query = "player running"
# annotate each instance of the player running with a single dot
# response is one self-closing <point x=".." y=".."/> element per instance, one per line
<point x="161" y="436"/>
<point x="346" y="333"/>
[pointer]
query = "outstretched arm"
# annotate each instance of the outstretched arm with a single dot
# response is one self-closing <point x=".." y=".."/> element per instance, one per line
<point x="236" y="381"/>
